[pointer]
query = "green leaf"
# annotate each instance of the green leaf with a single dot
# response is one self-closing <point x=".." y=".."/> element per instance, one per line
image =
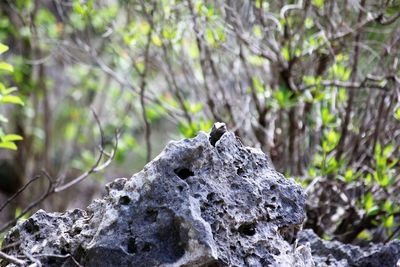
<point x="368" y="201"/>
<point x="8" y="145"/>
<point x="378" y="149"/>
<point x="318" y="3"/>
<point x="373" y="211"/>
<point x="195" y="107"/>
<point x="70" y="131"/>
<point x="397" y="114"/>
<point x="389" y="221"/>
<point x="257" y="84"/>
<point x="364" y="235"/>
<point x="7" y="91"/>
<point x="3" y="48"/>
<point x="11" y="99"/>
<point x="387" y="151"/>
<point x="156" y="40"/>
<point x="285" y="53"/>
<point x="210" y="38"/>
<point x="78" y="8"/>
<point x="312" y="172"/>
<point x="348" y="176"/>
<point x="12" y="137"/>
<point x="257" y="31"/>
<point x="256" y="60"/>
<point x="309" y="23"/>
<point x="5" y="66"/>
<point x="326" y="115"/>
<point x="388" y="206"/>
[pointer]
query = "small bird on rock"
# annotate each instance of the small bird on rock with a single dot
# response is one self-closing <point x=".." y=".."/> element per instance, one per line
<point x="218" y="129"/>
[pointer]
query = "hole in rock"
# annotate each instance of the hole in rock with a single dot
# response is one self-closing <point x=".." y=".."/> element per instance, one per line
<point x="247" y="229"/>
<point x="272" y="187"/>
<point x="132" y="247"/>
<point x="239" y="171"/>
<point x="271" y="206"/>
<point x="124" y="200"/>
<point x="235" y="186"/>
<point x="31" y="227"/>
<point x="273" y="199"/>
<point x="183" y="173"/>
<point x="151" y="215"/>
<point x="146" y="247"/>
<point x="15" y="234"/>
<point x="210" y="196"/>
<point x="64" y="251"/>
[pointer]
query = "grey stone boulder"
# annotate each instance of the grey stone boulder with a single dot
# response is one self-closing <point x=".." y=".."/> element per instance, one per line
<point x="196" y="204"/>
<point x="334" y="253"/>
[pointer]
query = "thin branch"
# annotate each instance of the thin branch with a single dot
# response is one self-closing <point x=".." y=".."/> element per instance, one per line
<point x="49" y="191"/>
<point x="200" y="43"/>
<point x="348" y="85"/>
<point x="12" y="259"/>
<point x="59" y="256"/>
<point x="143" y="81"/>
<point x="30" y="256"/>
<point x="54" y="188"/>
<point x="19" y="192"/>
<point x="94" y="169"/>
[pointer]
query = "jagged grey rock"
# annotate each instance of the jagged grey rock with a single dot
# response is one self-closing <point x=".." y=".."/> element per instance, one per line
<point x="193" y="205"/>
<point x="334" y="253"/>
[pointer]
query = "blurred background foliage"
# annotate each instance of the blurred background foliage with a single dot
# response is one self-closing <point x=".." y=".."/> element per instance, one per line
<point x="314" y="84"/>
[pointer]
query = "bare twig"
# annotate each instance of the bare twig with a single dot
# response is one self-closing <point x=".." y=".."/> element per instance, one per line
<point x="12" y="259"/>
<point x="19" y="192"/>
<point x="143" y="81"/>
<point x="97" y="166"/>
<point x="53" y="187"/>
<point x="34" y="260"/>
<point x="33" y="204"/>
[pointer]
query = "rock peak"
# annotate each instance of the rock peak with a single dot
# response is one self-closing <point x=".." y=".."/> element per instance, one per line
<point x="205" y="201"/>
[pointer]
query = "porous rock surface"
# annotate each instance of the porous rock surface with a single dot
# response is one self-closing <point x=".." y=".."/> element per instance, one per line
<point x="194" y="205"/>
<point x="337" y="254"/>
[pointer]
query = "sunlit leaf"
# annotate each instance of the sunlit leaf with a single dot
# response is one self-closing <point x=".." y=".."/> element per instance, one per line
<point x="8" y="145"/>
<point x="373" y="211"/>
<point x="368" y="201"/>
<point x="3" y="48"/>
<point x="5" y="66"/>
<point x="397" y="114"/>
<point x="156" y="40"/>
<point x="285" y="53"/>
<point x="318" y="3"/>
<point x="11" y="99"/>
<point x="12" y="137"/>
<point x="348" y="176"/>
<point x="309" y="23"/>
<point x="388" y="222"/>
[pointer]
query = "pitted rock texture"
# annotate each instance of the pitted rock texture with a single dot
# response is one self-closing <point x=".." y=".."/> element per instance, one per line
<point x="336" y="254"/>
<point x="194" y="205"/>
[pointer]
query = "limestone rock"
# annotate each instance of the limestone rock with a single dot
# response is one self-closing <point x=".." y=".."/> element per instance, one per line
<point x="334" y="253"/>
<point x="194" y="205"/>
